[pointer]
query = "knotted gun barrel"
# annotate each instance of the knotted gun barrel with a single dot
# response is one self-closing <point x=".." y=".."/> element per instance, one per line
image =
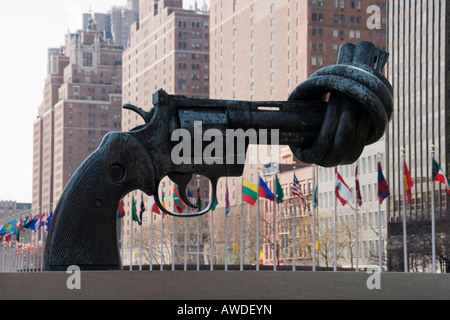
<point x="359" y="108"/>
<point x="327" y="120"/>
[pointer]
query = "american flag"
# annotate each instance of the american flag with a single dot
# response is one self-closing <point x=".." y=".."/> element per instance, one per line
<point x="192" y="200"/>
<point x="297" y="190"/>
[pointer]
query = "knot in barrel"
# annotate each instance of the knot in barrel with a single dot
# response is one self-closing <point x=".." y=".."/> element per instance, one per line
<point x="359" y="108"/>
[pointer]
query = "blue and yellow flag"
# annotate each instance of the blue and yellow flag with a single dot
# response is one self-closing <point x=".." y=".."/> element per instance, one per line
<point x="9" y="227"/>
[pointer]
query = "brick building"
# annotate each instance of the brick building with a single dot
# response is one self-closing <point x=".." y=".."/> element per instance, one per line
<point x="82" y="102"/>
<point x="262" y="49"/>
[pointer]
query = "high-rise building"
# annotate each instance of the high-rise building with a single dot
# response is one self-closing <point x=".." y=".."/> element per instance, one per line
<point x="82" y="102"/>
<point x="419" y="36"/>
<point x="261" y="50"/>
<point x="114" y="26"/>
<point x="169" y="50"/>
<point x="43" y="131"/>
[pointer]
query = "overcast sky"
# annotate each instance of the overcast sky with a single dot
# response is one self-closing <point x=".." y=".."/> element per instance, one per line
<point x="27" y="29"/>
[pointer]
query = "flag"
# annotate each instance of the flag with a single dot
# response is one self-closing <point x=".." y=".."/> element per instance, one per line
<point x="408" y="181"/>
<point x="315" y="190"/>
<point x="278" y="190"/>
<point x="178" y="203"/>
<point x="383" y="188"/>
<point x="23" y="221"/>
<point x="342" y="190"/>
<point x="163" y="202"/>
<point x="198" y="203"/>
<point x="261" y="257"/>
<point x="154" y="206"/>
<point x="19" y="227"/>
<point x="42" y="223"/>
<point x="264" y="191"/>
<point x="227" y="202"/>
<point x="37" y="222"/>
<point x="7" y="236"/>
<point x="315" y="195"/>
<point x="121" y="210"/>
<point x="216" y="203"/>
<point x="191" y="200"/>
<point x="297" y="191"/>
<point x="358" y="190"/>
<point x="134" y="212"/>
<point x="142" y="210"/>
<point x="31" y="221"/>
<point x="49" y="219"/>
<point x="249" y="192"/>
<point x="10" y="227"/>
<point x="439" y="176"/>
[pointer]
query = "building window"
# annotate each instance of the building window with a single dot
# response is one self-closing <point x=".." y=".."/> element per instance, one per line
<point x="87" y="59"/>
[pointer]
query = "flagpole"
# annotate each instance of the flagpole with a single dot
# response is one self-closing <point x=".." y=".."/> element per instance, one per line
<point x="198" y="231"/>
<point x="241" y="252"/>
<point x="294" y="214"/>
<point x="212" y="241"/>
<point x="405" y="249"/>
<point x="226" y="231"/>
<point x="433" y="231"/>
<point x="356" y="221"/>
<point x="335" y="226"/>
<point x="131" y="241"/>
<point x="275" y="228"/>
<point x="121" y="237"/>
<point x="151" y="242"/>
<point x="161" y="267"/>
<point x="314" y="220"/>
<point x="173" y="244"/>
<point x="42" y="244"/>
<point x="140" y="248"/>
<point x="379" y="238"/>
<point x="356" y="238"/>
<point x="185" y="244"/>
<point x="257" y="225"/>
<point x="140" y="236"/>
<point x="27" y="258"/>
<point x="380" y="253"/>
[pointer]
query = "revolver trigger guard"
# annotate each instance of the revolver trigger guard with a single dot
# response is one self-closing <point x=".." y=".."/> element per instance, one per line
<point x="190" y="215"/>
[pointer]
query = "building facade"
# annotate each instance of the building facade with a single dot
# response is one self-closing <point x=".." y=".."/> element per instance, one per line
<point x="10" y="208"/>
<point x="419" y="33"/>
<point x="261" y="50"/>
<point x="43" y="131"/>
<point x="82" y="102"/>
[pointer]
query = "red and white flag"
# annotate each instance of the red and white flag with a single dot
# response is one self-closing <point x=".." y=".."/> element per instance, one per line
<point x="297" y="191"/>
<point x="153" y="205"/>
<point x="343" y="192"/>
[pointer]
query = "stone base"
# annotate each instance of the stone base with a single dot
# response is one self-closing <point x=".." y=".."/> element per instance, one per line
<point x="223" y="285"/>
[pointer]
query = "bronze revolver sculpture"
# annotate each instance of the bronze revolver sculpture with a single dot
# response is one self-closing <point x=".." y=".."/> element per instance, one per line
<point x="327" y="120"/>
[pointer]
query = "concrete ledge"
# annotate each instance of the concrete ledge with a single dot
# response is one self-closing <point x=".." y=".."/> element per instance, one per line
<point x="223" y="285"/>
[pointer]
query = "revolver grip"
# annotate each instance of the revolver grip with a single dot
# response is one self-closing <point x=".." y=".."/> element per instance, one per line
<point x="83" y="231"/>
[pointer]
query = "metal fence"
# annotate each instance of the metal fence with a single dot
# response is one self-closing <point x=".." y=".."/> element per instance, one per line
<point x="199" y="243"/>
